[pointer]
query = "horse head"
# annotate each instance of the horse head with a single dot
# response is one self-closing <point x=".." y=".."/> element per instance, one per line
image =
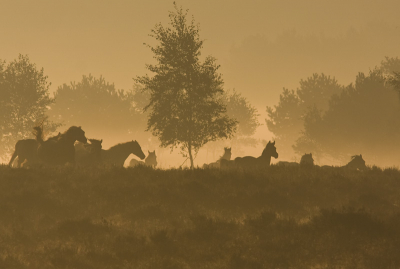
<point x="136" y="149"/>
<point x="357" y="162"/>
<point x="307" y="160"/>
<point x="77" y="134"/>
<point x="227" y="153"/>
<point x="270" y="150"/>
<point x="151" y="159"/>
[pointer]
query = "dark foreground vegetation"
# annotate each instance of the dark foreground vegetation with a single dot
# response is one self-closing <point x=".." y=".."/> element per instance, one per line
<point x="113" y="217"/>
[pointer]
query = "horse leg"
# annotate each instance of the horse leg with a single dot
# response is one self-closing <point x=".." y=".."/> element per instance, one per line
<point x="12" y="158"/>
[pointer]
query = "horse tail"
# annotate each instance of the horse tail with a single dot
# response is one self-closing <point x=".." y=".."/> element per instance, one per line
<point x="38" y="132"/>
<point x="15" y="154"/>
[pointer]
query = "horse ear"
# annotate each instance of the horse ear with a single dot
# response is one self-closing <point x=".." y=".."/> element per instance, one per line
<point x="148" y="151"/>
<point x="101" y="141"/>
<point x="79" y="127"/>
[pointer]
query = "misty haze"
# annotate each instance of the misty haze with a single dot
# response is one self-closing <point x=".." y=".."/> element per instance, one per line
<point x="223" y="134"/>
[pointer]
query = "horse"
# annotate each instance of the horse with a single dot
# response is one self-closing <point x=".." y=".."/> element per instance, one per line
<point x="227" y="156"/>
<point x="88" y="154"/>
<point x="307" y="160"/>
<point x="250" y="161"/>
<point x="116" y="155"/>
<point x="356" y="163"/>
<point x="151" y="160"/>
<point x="26" y="152"/>
<point x="61" y="150"/>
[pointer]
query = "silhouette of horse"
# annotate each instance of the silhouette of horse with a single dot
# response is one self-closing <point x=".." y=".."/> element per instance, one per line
<point x="307" y="160"/>
<point x="25" y="152"/>
<point x="88" y="154"/>
<point x="356" y="163"/>
<point x="151" y="160"/>
<point x="117" y="154"/>
<point x="251" y="162"/>
<point x="227" y="156"/>
<point x="61" y="150"/>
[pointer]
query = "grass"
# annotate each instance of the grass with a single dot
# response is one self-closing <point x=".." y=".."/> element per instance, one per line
<point x="110" y="217"/>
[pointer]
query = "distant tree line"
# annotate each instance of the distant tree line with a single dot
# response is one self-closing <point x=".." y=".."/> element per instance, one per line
<point x="334" y="121"/>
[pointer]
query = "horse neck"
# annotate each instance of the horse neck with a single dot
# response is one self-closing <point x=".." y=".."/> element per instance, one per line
<point x="120" y="152"/>
<point x="265" y="158"/>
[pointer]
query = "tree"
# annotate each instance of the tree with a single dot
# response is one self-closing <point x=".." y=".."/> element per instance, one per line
<point x="287" y="118"/>
<point x="101" y="109"/>
<point x="362" y="119"/>
<point x="186" y="102"/>
<point x="246" y="115"/>
<point x="24" y="101"/>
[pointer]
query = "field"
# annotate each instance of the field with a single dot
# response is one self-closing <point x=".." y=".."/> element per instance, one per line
<point x="110" y="217"/>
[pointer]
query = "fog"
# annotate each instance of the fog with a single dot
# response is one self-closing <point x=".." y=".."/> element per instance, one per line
<point x="262" y="47"/>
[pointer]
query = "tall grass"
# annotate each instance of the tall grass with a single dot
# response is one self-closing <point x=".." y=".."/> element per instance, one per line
<point x="110" y="217"/>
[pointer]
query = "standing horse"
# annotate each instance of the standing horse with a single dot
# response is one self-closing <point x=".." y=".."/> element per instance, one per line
<point x="117" y="154"/>
<point x="61" y="150"/>
<point x="26" y="152"/>
<point x="88" y="154"/>
<point x="262" y="161"/>
<point x="227" y="156"/>
<point x="151" y="160"/>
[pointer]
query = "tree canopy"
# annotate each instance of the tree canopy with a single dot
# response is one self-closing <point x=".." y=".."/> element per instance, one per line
<point x="362" y="119"/>
<point x="24" y="101"/>
<point x="286" y="119"/>
<point x="186" y="103"/>
<point x="99" y="107"/>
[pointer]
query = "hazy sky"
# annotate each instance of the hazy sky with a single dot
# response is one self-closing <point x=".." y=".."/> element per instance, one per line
<point x="262" y="46"/>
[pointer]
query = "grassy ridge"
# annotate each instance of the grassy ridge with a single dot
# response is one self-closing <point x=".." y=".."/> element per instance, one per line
<point x="113" y="217"/>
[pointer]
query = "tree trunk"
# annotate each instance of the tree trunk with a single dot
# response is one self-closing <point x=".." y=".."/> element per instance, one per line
<point x="190" y="155"/>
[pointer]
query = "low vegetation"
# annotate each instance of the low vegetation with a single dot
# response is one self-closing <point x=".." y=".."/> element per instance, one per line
<point x="281" y="217"/>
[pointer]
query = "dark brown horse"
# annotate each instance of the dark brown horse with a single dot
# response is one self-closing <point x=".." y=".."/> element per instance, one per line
<point x="116" y="155"/>
<point x="151" y="160"/>
<point x="25" y="152"/>
<point x="262" y="161"/>
<point x="61" y="150"/>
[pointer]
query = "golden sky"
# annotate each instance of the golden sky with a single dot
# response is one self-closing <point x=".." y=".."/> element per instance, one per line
<point x="262" y="46"/>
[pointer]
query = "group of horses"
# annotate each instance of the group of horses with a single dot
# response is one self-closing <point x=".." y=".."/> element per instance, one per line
<point x="73" y="147"/>
<point x="306" y="161"/>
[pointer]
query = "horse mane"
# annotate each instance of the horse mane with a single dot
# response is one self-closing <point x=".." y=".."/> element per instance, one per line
<point x="121" y="145"/>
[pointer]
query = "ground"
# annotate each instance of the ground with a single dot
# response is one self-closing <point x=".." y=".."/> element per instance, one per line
<point x="111" y="217"/>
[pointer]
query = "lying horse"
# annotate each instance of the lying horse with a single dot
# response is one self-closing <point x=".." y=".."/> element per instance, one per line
<point x="251" y="162"/>
<point x="305" y="161"/>
<point x="227" y="156"/>
<point x="61" y="150"/>
<point x="151" y="160"/>
<point x="88" y="154"/>
<point x="356" y="163"/>
<point x="26" y="152"/>
<point x="116" y="155"/>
